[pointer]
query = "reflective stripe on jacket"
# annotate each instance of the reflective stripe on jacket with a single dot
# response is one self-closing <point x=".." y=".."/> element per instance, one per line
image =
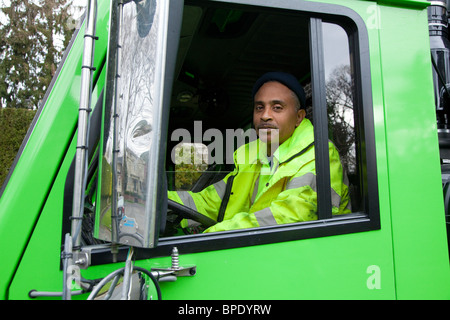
<point x="289" y="196"/>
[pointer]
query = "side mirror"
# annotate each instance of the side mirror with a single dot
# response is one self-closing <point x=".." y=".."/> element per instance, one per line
<point x="132" y="197"/>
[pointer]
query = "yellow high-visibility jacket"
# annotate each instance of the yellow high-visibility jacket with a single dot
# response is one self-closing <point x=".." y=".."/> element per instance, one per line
<point x="288" y="196"/>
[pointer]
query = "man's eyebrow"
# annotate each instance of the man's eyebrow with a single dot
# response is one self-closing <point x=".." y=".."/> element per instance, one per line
<point x="278" y="102"/>
<point x="271" y="102"/>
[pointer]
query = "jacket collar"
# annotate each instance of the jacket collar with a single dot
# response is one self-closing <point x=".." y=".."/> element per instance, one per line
<point x="255" y="151"/>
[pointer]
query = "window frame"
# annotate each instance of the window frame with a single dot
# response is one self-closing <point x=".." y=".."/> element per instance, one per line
<point x="326" y="225"/>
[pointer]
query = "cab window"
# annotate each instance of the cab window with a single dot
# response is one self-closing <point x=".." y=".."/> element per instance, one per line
<point x="223" y="49"/>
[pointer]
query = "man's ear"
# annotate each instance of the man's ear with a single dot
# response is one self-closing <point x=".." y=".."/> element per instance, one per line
<point x="301" y="114"/>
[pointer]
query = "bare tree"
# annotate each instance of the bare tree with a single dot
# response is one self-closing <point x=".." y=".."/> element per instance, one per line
<point x="340" y="114"/>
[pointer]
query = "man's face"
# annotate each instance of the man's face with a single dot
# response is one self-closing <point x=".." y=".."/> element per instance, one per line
<point x="275" y="113"/>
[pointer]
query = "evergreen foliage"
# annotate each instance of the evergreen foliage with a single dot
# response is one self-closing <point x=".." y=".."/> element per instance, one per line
<point x="32" y="40"/>
<point x="14" y="124"/>
<point x="33" y="36"/>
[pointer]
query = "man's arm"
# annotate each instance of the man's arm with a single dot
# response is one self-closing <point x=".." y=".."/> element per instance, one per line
<point x="207" y="201"/>
<point x="291" y="205"/>
<point x="298" y="202"/>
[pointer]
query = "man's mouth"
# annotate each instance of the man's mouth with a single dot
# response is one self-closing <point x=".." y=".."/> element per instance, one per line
<point x="266" y="126"/>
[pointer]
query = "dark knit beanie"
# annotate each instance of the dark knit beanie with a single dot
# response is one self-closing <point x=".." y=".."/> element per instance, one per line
<point x="286" y="79"/>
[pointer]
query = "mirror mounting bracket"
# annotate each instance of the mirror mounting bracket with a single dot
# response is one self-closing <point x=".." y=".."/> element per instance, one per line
<point x="82" y="258"/>
<point x="175" y="270"/>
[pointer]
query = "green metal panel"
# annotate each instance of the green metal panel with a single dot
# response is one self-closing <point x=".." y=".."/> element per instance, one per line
<point x="324" y="268"/>
<point x="416" y="202"/>
<point x="336" y="267"/>
<point x="42" y="253"/>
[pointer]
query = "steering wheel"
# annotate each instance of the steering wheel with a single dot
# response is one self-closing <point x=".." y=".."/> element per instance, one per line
<point x="188" y="213"/>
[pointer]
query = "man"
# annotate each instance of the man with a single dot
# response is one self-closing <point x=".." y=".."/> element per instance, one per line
<point x="274" y="179"/>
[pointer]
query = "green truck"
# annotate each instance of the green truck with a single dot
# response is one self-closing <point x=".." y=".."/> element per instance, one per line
<point x="84" y="212"/>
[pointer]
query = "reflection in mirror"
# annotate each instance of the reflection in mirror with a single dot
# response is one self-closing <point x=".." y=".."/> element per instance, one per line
<point x="339" y="95"/>
<point x="128" y="196"/>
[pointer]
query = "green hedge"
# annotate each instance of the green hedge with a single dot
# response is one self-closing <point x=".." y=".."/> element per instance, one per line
<point x="14" y="125"/>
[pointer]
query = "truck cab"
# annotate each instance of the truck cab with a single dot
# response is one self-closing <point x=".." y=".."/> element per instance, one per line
<point x="169" y="100"/>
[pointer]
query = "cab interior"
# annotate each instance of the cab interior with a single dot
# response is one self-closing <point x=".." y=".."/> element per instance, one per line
<point x="222" y="51"/>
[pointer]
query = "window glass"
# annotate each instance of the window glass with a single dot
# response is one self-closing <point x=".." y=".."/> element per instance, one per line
<point x="211" y="98"/>
<point x="339" y="97"/>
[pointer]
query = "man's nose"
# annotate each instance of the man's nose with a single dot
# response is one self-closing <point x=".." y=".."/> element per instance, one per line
<point x="266" y="115"/>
